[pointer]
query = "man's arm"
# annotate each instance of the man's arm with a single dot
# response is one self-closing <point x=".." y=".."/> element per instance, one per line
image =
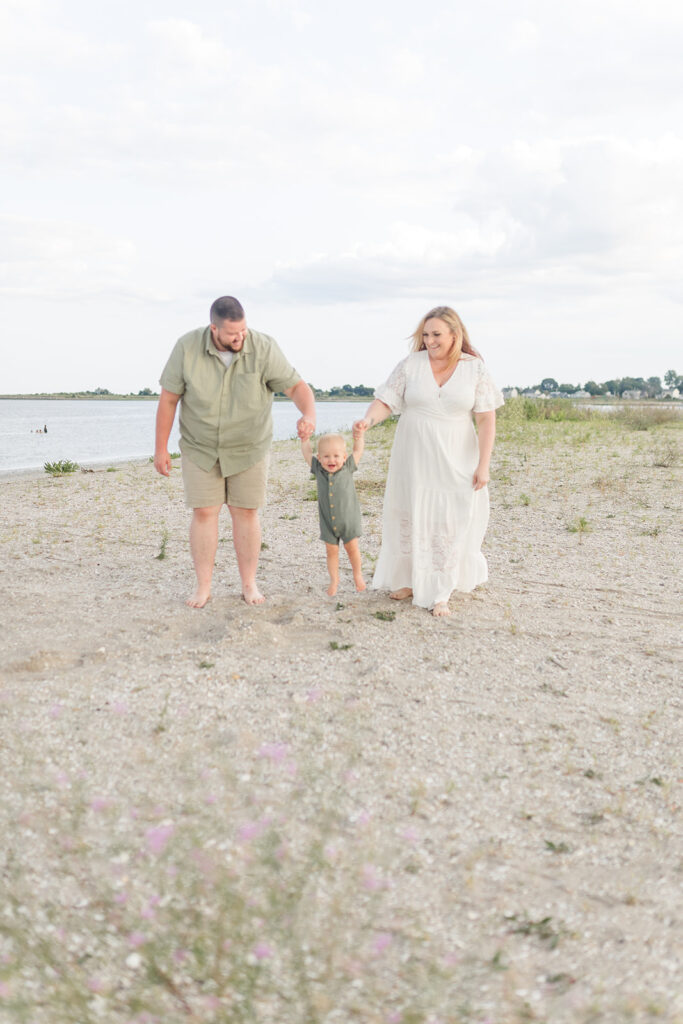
<point x="165" y="416"/>
<point x="303" y="399"/>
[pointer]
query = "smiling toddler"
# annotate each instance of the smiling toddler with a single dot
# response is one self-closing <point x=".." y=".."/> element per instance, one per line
<point x="338" y="506"/>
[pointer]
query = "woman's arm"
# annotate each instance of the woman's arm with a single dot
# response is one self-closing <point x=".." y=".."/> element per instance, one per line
<point x="376" y="412"/>
<point x="486" y="428"/>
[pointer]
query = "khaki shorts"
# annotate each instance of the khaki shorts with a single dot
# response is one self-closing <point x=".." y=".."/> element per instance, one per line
<point x="205" y="489"/>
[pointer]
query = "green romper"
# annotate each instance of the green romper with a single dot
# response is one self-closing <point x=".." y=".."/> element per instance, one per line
<point x="337" y="502"/>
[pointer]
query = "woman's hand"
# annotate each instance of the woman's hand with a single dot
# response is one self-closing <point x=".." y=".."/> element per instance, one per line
<point x="359" y="428"/>
<point x="481" y="477"/>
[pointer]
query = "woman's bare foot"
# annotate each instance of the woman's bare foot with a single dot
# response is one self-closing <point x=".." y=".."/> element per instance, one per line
<point x="360" y="583"/>
<point x="441" y="609"/>
<point x="401" y="595"/>
<point x="199" y="598"/>
<point x="333" y="587"/>
<point x="252" y="595"/>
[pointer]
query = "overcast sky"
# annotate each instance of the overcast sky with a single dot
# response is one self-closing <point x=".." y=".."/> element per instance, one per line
<point x="341" y="168"/>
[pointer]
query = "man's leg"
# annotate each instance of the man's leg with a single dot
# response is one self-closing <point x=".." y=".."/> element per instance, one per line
<point x="246" y="536"/>
<point x="203" y="546"/>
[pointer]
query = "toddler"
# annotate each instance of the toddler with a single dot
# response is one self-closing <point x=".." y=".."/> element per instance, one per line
<point x="337" y="502"/>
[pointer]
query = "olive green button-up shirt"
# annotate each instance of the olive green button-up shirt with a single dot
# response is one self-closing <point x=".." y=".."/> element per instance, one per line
<point x="225" y="412"/>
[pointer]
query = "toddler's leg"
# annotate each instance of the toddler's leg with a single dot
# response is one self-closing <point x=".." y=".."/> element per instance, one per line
<point x="353" y="551"/>
<point x="332" y="567"/>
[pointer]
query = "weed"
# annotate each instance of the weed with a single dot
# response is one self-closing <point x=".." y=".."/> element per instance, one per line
<point x="206" y="664"/>
<point x="541" y="930"/>
<point x="667" y="456"/>
<point x="580" y="526"/>
<point x="164" y="542"/>
<point x="524" y="499"/>
<point x="557" y="847"/>
<point x="286" y="516"/>
<point x="61" y="468"/>
<point x="334" y="646"/>
<point x="112" y="469"/>
<point x="653" y="531"/>
<point x="338" y="607"/>
<point x="385" y="616"/>
<point x="264" y="546"/>
<point x="311" y="494"/>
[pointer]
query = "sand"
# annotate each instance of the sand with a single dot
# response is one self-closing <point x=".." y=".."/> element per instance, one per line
<point x="511" y="774"/>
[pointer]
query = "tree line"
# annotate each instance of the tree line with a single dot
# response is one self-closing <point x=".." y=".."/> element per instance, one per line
<point x="651" y="387"/>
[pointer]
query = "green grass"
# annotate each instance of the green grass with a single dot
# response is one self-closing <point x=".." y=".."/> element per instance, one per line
<point x="61" y="468"/>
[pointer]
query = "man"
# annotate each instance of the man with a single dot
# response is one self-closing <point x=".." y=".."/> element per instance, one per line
<point x="224" y="376"/>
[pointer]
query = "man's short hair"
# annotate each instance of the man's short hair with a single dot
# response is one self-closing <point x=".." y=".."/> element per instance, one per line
<point x="226" y="308"/>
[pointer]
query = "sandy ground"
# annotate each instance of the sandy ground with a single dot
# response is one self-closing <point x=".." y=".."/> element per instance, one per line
<point x="524" y="755"/>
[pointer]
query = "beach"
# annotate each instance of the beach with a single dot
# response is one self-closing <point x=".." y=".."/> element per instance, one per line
<point x="336" y="809"/>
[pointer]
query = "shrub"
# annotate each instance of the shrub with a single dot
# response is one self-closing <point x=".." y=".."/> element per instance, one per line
<point x="61" y="467"/>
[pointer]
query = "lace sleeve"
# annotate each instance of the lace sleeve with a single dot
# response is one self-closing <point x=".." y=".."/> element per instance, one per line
<point x="393" y="390"/>
<point x="487" y="397"/>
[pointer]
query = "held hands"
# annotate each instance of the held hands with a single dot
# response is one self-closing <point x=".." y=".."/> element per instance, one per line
<point x="304" y="428"/>
<point x="359" y="428"/>
<point x="481" y="477"/>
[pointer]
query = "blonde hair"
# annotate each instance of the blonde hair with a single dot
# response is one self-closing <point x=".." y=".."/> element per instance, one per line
<point x="457" y="328"/>
<point x="336" y="438"/>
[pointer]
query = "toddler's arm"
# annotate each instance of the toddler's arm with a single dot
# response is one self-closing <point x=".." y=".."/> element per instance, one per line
<point x="307" y="451"/>
<point x="358" y="445"/>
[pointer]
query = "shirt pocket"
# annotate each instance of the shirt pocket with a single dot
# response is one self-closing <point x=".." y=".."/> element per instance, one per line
<point x="247" y="394"/>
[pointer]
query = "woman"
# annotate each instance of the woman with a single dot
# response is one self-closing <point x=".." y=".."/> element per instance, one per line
<point x="436" y="504"/>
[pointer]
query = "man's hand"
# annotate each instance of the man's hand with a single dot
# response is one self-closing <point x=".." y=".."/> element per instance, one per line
<point x="162" y="463"/>
<point x="304" y="428"/>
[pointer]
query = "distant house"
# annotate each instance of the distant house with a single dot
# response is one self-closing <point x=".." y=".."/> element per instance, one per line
<point x="581" y="394"/>
<point x="510" y="393"/>
<point x="631" y="394"/>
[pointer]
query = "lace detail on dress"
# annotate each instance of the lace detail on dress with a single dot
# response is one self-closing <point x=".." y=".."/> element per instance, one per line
<point x="487" y="397"/>
<point x="440" y="552"/>
<point x="392" y="392"/>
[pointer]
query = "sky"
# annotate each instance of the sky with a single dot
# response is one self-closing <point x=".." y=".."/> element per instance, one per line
<point x="340" y="168"/>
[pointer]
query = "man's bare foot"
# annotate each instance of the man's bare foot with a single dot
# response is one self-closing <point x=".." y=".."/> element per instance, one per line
<point x="332" y="589"/>
<point x="441" y="609"/>
<point x="252" y="595"/>
<point x="401" y="595"/>
<point x="360" y="584"/>
<point x="199" y="598"/>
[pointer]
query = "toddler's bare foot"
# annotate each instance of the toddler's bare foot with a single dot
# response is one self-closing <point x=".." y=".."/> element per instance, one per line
<point x="252" y="595"/>
<point x="332" y="589"/>
<point x="360" y="584"/>
<point x="199" y="598"/>
<point x="441" y="609"/>
<point x="402" y="594"/>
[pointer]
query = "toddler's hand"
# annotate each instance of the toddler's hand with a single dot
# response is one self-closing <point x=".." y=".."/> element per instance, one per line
<point x="359" y="428"/>
<point x="304" y="428"/>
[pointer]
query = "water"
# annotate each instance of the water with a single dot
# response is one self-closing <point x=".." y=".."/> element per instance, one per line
<point x="100" y="432"/>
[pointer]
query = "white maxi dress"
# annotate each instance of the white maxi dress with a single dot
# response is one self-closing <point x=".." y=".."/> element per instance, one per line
<point x="434" y="521"/>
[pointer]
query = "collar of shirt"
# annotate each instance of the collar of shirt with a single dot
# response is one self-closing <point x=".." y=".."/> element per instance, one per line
<point x="211" y="349"/>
